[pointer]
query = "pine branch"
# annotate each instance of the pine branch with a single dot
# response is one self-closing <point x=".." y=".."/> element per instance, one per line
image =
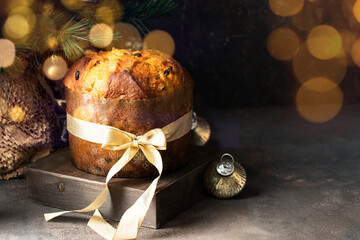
<point x="136" y="12"/>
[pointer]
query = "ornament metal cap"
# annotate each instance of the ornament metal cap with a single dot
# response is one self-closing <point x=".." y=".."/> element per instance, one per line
<point x="225" y="178"/>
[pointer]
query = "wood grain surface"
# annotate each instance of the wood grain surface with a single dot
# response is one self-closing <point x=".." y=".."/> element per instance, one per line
<point x="54" y="181"/>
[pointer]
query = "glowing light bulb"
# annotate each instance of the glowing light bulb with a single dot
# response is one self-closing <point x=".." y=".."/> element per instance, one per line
<point x="55" y="68"/>
<point x="282" y="44"/>
<point x="159" y="40"/>
<point x="7" y="50"/>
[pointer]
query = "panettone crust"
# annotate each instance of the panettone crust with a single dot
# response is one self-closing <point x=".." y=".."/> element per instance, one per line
<point x="121" y="74"/>
<point x="132" y="91"/>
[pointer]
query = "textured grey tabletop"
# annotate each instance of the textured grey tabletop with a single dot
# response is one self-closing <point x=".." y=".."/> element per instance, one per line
<point x="303" y="183"/>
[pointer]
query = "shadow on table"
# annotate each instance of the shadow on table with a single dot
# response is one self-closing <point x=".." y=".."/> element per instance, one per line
<point x="79" y="218"/>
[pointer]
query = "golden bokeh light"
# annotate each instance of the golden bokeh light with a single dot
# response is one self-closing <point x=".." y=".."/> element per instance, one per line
<point x="348" y="39"/>
<point x="47" y="9"/>
<point x="101" y="35"/>
<point x="130" y="37"/>
<point x="355" y="52"/>
<point x="17" y="114"/>
<point x="27" y="13"/>
<point x="12" y="4"/>
<point x="3" y="107"/>
<point x="347" y="11"/>
<point x="320" y="84"/>
<point x="286" y="8"/>
<point x="306" y="66"/>
<point x="104" y="15"/>
<point x="319" y="107"/>
<point x="324" y="42"/>
<point x="73" y="4"/>
<point x="308" y="18"/>
<point x="159" y="40"/>
<point x="16" y="27"/>
<point x="52" y="42"/>
<point x="83" y="113"/>
<point x="282" y="44"/>
<point x="55" y="68"/>
<point x="356" y="10"/>
<point x="45" y="30"/>
<point x="7" y="50"/>
<point x="109" y="12"/>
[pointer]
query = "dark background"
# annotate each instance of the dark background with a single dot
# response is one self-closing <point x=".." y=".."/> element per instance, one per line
<point x="223" y="45"/>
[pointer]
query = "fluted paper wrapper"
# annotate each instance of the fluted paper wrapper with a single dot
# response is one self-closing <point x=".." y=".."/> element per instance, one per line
<point x="133" y="116"/>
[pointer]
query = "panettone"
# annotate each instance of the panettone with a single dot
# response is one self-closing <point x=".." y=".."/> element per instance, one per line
<point x="132" y="91"/>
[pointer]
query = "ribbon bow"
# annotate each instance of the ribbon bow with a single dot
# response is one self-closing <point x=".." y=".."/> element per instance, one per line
<point x="149" y="143"/>
<point x="115" y="139"/>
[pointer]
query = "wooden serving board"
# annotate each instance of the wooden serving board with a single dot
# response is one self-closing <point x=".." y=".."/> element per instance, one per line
<point x="54" y="181"/>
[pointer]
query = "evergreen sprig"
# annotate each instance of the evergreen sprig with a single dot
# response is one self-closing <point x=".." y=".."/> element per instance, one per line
<point x="136" y="12"/>
<point x="68" y="36"/>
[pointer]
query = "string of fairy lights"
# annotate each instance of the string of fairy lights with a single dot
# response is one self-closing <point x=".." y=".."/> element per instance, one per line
<point x="319" y="40"/>
<point x="83" y="26"/>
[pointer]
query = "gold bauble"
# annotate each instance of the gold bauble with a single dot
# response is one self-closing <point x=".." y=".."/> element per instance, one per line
<point x="55" y="68"/>
<point x="224" y="179"/>
<point x="201" y="131"/>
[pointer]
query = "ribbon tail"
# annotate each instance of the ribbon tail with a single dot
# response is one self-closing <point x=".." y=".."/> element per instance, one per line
<point x="100" y="226"/>
<point x="97" y="203"/>
<point x="125" y="158"/>
<point x="49" y="216"/>
<point x="100" y="200"/>
<point x="97" y="222"/>
<point x="133" y="218"/>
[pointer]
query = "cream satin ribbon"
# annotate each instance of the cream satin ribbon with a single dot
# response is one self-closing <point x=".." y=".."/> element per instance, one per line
<point x="115" y="139"/>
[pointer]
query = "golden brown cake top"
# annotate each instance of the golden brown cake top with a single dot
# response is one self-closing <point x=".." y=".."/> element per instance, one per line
<point x="122" y="74"/>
